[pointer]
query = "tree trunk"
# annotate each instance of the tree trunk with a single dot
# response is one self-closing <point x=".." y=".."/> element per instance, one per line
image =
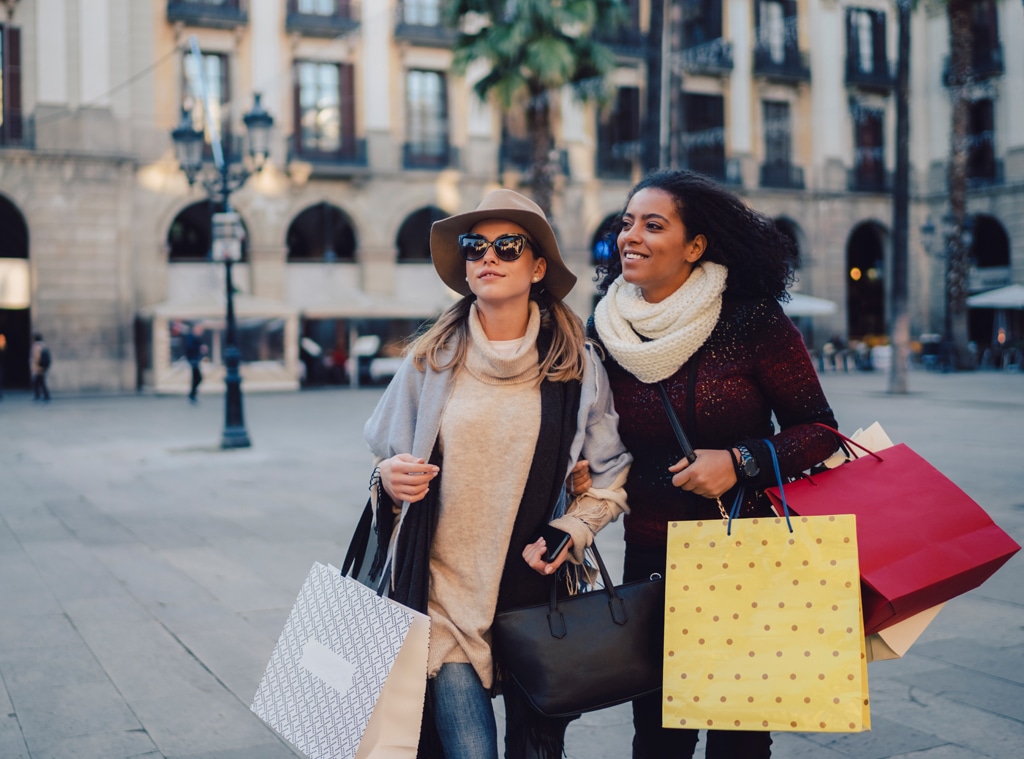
<point x="961" y="43"/>
<point x="899" y="318"/>
<point x="538" y="122"/>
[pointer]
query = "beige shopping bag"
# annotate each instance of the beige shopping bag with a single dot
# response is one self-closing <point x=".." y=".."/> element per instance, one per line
<point x="763" y="627"/>
<point x="893" y="642"/>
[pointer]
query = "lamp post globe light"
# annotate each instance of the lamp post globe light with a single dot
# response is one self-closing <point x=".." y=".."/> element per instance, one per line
<point x="229" y="175"/>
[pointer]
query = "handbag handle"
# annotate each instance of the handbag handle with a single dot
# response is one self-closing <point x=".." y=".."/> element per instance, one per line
<point x="616" y="606"/>
<point x="677" y="428"/>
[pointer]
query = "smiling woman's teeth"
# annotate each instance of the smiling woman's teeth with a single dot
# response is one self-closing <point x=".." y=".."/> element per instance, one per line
<point x="634" y="256"/>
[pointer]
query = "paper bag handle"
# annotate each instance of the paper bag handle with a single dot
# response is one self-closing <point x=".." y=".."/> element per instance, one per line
<point x="737" y="503"/>
<point x="845" y="439"/>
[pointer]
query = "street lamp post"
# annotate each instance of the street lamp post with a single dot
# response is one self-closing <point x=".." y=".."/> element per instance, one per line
<point x="231" y="173"/>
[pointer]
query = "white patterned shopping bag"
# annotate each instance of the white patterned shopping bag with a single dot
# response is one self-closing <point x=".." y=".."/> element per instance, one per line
<point x="347" y="677"/>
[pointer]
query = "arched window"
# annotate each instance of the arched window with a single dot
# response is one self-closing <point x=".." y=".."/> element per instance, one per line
<point x="413" y="241"/>
<point x="321" y="233"/>
<point x="991" y="245"/>
<point x="13" y="232"/>
<point x="188" y="239"/>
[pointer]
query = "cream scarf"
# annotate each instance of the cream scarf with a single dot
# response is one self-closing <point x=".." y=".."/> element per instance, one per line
<point x="676" y="327"/>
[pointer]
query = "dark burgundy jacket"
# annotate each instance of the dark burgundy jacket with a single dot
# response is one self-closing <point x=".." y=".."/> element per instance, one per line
<point x="753" y="365"/>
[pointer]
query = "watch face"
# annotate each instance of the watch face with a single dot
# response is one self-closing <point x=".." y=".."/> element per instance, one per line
<point x="748" y="463"/>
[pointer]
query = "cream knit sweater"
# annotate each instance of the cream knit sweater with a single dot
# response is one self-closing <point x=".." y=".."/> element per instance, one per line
<point x="488" y="435"/>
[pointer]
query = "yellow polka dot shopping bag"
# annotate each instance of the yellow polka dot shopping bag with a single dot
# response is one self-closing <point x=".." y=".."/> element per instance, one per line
<point x="763" y="626"/>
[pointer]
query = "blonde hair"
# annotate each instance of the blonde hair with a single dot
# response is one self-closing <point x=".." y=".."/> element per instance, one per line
<point x="563" y="362"/>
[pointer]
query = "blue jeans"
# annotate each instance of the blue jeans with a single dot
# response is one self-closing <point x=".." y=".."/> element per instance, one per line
<point x="463" y="713"/>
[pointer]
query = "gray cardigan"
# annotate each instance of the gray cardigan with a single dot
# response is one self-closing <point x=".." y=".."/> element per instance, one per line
<point x="408" y="419"/>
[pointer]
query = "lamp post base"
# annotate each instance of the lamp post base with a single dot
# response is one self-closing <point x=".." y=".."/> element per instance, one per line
<point x="235" y="437"/>
<point x="235" y="434"/>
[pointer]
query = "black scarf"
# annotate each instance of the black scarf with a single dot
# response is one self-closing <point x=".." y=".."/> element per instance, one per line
<point x="520" y="585"/>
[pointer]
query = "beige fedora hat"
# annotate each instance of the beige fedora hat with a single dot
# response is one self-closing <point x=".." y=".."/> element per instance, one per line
<point x="509" y="206"/>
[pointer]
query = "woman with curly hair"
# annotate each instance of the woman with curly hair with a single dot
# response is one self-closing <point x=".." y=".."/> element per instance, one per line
<point x="691" y="301"/>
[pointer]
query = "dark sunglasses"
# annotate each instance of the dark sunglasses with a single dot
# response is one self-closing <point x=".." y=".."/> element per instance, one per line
<point x="506" y="247"/>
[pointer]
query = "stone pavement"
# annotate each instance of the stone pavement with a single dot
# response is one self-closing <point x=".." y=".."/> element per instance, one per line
<point x="145" y="575"/>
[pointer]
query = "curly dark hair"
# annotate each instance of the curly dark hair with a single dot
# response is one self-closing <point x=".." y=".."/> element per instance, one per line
<point x="760" y="258"/>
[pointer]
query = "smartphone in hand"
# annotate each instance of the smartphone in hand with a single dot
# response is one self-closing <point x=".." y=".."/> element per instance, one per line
<point x="554" y="539"/>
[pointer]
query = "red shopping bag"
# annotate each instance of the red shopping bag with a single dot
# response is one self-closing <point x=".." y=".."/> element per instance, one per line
<point x="922" y="539"/>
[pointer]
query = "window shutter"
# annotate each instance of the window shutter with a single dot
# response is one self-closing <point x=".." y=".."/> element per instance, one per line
<point x="12" y="128"/>
<point x="347" y="104"/>
<point x="852" y="59"/>
<point x="713" y="22"/>
<point x="296" y="108"/>
<point x="878" y="41"/>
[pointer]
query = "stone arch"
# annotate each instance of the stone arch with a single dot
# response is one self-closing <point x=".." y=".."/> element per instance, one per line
<point x="321" y="233"/>
<point x="413" y="238"/>
<point x="189" y="234"/>
<point x="990" y="247"/>
<point x="990" y="256"/>
<point x="865" y="280"/>
<point x="15" y="296"/>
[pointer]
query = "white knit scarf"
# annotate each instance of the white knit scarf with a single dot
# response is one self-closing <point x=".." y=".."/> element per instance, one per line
<point x="676" y="327"/>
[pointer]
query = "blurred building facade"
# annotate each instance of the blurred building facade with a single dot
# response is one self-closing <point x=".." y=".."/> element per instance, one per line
<point x="104" y="245"/>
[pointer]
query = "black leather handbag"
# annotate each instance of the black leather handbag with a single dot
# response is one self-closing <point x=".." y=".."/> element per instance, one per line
<point x="588" y="651"/>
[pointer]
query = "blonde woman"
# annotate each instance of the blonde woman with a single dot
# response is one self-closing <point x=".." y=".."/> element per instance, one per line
<point x="475" y="437"/>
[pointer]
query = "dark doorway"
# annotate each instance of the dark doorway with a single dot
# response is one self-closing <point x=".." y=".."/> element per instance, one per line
<point x="413" y="239"/>
<point x="321" y="234"/>
<point x="15" y="318"/>
<point x="865" y="282"/>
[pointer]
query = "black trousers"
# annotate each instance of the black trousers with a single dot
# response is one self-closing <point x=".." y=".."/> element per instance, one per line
<point x="650" y="739"/>
<point x="39" y="389"/>
<point x="197" y="377"/>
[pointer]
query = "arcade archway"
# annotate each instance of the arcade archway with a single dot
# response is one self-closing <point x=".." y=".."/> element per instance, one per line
<point x="322" y="233"/>
<point x="413" y="240"/>
<point x="15" y="293"/>
<point x="865" y="281"/>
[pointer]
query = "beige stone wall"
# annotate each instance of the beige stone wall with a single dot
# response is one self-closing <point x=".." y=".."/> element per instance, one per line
<point x="101" y="187"/>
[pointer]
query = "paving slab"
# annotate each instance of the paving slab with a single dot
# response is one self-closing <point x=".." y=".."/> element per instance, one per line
<point x="146" y="574"/>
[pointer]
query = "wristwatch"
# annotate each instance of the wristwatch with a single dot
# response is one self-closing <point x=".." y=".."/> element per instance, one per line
<point x="746" y="467"/>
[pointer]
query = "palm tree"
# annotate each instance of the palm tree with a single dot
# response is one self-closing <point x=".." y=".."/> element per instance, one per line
<point x="534" y="48"/>
<point x="961" y="77"/>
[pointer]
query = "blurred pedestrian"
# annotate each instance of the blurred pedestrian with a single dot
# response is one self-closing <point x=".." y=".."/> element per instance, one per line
<point x="40" y="359"/>
<point x="195" y="348"/>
